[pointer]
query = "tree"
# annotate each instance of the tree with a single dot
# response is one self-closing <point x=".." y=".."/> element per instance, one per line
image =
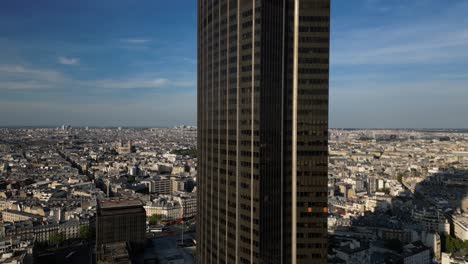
<point x="85" y="232"/>
<point x="154" y="219"/>
<point x="130" y="178"/>
<point x="400" y="178"/>
<point x="185" y="152"/>
<point x="56" y="239"/>
<point x="451" y="244"/>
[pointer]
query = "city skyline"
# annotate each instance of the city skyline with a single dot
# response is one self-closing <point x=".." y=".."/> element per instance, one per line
<point x="393" y="65"/>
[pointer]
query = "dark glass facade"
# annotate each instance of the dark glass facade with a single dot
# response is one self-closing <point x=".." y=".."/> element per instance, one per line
<point x="262" y="131"/>
<point x="120" y="220"/>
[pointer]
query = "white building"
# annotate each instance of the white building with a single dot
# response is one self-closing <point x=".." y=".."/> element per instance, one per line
<point x="188" y="203"/>
<point x="460" y="226"/>
<point x="459" y="257"/>
<point x="353" y="252"/>
<point x="165" y="206"/>
<point x="416" y="253"/>
<point x="160" y="185"/>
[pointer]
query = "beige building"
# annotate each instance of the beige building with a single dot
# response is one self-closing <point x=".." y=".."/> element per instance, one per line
<point x="164" y="185"/>
<point x="42" y="231"/>
<point x="16" y="216"/>
<point x="127" y="148"/>
<point x="460" y="226"/>
<point x="5" y="204"/>
<point x="166" y="207"/>
<point x="188" y="203"/>
<point x="459" y="257"/>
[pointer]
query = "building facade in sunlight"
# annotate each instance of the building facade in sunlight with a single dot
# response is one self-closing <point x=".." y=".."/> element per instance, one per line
<point x="263" y="70"/>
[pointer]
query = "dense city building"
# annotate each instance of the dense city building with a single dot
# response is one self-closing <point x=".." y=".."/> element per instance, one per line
<point x="263" y="71"/>
<point x="395" y="195"/>
<point x="402" y="192"/>
<point x="52" y="179"/>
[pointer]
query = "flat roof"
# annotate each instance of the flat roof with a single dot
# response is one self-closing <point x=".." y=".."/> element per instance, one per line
<point x="461" y="219"/>
<point x="117" y="202"/>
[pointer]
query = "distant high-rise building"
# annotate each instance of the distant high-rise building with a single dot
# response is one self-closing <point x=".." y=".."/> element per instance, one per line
<point x="263" y="71"/>
<point x="120" y="220"/>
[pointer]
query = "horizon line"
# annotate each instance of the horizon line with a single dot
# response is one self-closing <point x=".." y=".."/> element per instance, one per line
<point x="194" y="126"/>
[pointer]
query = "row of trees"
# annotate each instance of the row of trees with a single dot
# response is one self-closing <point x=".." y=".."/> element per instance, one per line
<point x="155" y="219"/>
<point x="451" y="244"/>
<point x="59" y="239"/>
<point x="185" y="152"/>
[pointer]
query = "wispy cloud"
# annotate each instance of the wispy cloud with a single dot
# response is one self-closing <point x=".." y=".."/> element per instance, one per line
<point x="22" y="85"/>
<point x="437" y="48"/>
<point x="381" y="6"/>
<point x="129" y="83"/>
<point x="190" y="60"/>
<point x="429" y="40"/>
<point x="138" y="83"/>
<point x="184" y="83"/>
<point x="136" y="40"/>
<point x="68" y="60"/>
<point x="21" y="77"/>
<point x="19" y="71"/>
<point x="463" y="76"/>
<point x="405" y="70"/>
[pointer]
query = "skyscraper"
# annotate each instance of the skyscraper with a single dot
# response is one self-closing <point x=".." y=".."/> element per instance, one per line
<point x="263" y="70"/>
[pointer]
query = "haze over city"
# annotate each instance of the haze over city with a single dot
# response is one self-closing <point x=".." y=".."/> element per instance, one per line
<point x="394" y="64"/>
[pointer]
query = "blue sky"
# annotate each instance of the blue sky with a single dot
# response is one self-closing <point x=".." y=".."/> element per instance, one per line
<point x="394" y="63"/>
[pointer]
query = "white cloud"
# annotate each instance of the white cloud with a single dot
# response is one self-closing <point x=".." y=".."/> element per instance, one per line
<point x="68" y="61"/>
<point x="136" y="40"/>
<point x="132" y="83"/>
<point x="19" y="71"/>
<point x="21" y="77"/>
<point x="398" y="46"/>
<point x="185" y="83"/>
<point x="434" y="39"/>
<point x="454" y="76"/>
<point x="190" y="60"/>
<point x="24" y="85"/>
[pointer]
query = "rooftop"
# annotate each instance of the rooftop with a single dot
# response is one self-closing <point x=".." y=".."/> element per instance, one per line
<point x="21" y="213"/>
<point x="460" y="255"/>
<point x="461" y="219"/>
<point x="117" y="202"/>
